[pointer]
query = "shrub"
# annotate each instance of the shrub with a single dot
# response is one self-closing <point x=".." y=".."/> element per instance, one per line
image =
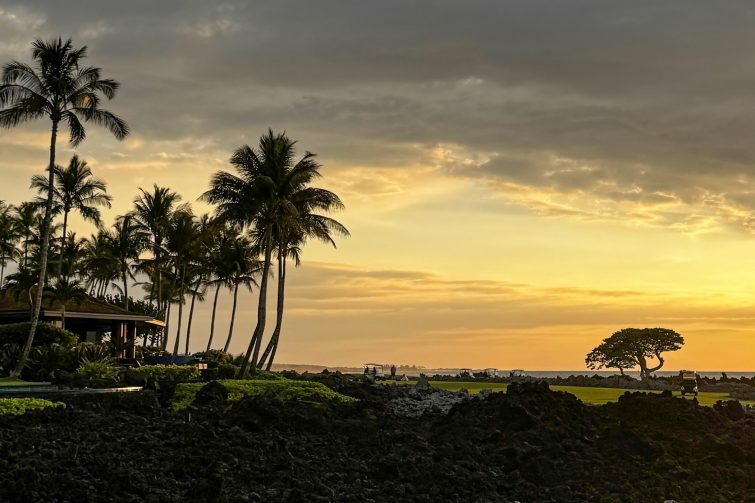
<point x="9" y="354"/>
<point x="214" y="357"/>
<point x="90" y="351"/>
<point x="44" y="361"/>
<point x="46" y="334"/>
<point x="227" y="371"/>
<point x="97" y="370"/>
<point x="162" y="373"/>
<point x="18" y="406"/>
<point x="281" y="390"/>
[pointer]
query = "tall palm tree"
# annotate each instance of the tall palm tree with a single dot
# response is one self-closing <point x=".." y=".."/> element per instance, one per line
<point x="291" y="231"/>
<point x="152" y="212"/>
<point x="9" y="236"/>
<point x="59" y="88"/>
<point x="74" y="189"/>
<point x="243" y="269"/>
<point x="258" y="197"/>
<point x="218" y="264"/>
<point x="124" y="243"/>
<point x="183" y="245"/>
<point x="27" y="219"/>
<point x="98" y="264"/>
<point x="71" y="255"/>
<point x="198" y="275"/>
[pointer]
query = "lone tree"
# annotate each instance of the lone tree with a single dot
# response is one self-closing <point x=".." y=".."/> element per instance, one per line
<point x="631" y="347"/>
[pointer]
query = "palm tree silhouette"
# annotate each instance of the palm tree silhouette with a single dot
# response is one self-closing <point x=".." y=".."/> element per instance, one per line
<point x="243" y="267"/>
<point x="57" y="87"/>
<point x="124" y="244"/>
<point x="65" y="291"/>
<point x="291" y="231"/>
<point x="152" y="212"/>
<point x="74" y="188"/>
<point x="27" y="219"/>
<point x="9" y="236"/>
<point x="183" y="245"/>
<point x="258" y="197"/>
<point x="218" y="264"/>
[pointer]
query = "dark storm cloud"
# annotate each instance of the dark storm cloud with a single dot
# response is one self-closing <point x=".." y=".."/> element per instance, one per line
<point x="638" y="101"/>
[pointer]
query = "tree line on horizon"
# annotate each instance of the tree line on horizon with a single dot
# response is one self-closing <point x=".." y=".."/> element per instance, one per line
<point x="266" y="210"/>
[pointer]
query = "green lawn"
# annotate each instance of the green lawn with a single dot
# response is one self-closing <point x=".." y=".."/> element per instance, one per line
<point x="586" y="394"/>
<point x="13" y="381"/>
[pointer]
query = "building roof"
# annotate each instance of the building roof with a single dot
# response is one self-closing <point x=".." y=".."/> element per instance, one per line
<point x="89" y="307"/>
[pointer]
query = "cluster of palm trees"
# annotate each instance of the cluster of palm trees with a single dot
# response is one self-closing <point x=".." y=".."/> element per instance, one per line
<point x="265" y="212"/>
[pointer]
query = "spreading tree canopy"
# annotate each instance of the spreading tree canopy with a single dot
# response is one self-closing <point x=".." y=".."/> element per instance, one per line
<point x="631" y="347"/>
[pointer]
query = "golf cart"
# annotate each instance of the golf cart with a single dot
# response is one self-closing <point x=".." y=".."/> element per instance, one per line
<point x="689" y="382"/>
<point x="466" y="373"/>
<point x="373" y="371"/>
<point x="517" y="373"/>
<point x="490" y="372"/>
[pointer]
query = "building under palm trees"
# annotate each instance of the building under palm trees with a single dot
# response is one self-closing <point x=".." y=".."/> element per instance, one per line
<point x="89" y="318"/>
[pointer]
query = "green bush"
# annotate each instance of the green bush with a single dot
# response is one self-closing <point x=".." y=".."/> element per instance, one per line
<point x="46" y="334"/>
<point x="281" y="390"/>
<point x="227" y="371"/>
<point x="90" y="351"/>
<point x="162" y="373"/>
<point x="97" y="370"/>
<point x="44" y="361"/>
<point x="214" y="357"/>
<point x="18" y="406"/>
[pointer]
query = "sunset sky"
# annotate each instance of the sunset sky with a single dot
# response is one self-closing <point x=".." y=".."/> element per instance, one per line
<point x="521" y="179"/>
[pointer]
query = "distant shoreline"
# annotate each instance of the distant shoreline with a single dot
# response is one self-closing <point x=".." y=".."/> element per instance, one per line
<point x="416" y="371"/>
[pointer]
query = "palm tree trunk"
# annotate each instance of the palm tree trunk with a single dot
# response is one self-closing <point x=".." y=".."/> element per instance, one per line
<point x="164" y="342"/>
<point x="254" y="345"/>
<point x="125" y="291"/>
<point x="272" y="346"/>
<point x="63" y="240"/>
<point x="43" y="259"/>
<point x="180" y="313"/>
<point x="2" y="271"/>
<point x="212" y="321"/>
<point x="63" y="317"/>
<point x="191" y="316"/>
<point x="233" y="317"/>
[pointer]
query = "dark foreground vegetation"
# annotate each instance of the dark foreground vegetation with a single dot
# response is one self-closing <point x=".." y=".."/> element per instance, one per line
<point x="530" y="444"/>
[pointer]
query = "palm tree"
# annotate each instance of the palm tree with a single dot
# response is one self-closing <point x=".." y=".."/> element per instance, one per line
<point x="99" y="264"/>
<point x="243" y="268"/>
<point x="152" y="212"/>
<point x="74" y="188"/>
<point x="291" y="231"/>
<point x="27" y="219"/>
<point x="197" y="275"/>
<point x="21" y="282"/>
<point x="183" y="244"/>
<point x="124" y="243"/>
<point x="258" y="197"/>
<point x="65" y="291"/>
<point x="9" y="236"/>
<point x="218" y="263"/>
<point x="71" y="255"/>
<point x="60" y="88"/>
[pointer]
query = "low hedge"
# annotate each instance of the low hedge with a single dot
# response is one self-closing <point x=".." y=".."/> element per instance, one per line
<point x="282" y="390"/>
<point x="17" y="406"/>
<point x="46" y="334"/>
<point x="162" y="373"/>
